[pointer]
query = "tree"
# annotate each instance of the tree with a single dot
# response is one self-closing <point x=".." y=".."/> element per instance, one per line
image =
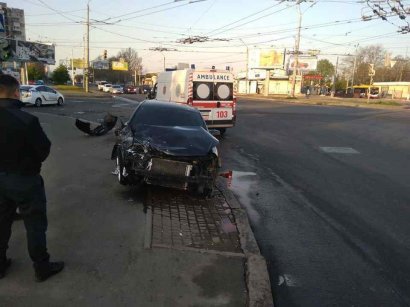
<point x="60" y="75"/>
<point x="326" y="69"/>
<point x="35" y="71"/>
<point x="372" y="54"/>
<point x="130" y="56"/>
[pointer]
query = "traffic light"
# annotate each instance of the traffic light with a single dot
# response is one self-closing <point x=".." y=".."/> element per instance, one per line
<point x="105" y="54"/>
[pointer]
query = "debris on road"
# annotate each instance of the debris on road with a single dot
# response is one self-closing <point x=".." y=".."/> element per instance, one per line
<point x="108" y="123"/>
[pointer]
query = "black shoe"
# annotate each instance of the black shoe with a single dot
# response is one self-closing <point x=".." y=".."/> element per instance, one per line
<point x="4" y="268"/>
<point x="48" y="269"/>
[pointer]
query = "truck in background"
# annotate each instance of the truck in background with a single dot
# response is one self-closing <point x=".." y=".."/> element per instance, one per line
<point x="211" y="91"/>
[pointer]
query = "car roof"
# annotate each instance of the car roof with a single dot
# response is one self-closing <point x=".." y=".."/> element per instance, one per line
<point x="167" y="105"/>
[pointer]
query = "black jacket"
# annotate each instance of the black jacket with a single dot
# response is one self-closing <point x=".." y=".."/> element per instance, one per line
<point x="23" y="143"/>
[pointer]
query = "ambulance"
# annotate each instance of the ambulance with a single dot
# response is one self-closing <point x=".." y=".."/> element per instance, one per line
<point x="211" y="91"/>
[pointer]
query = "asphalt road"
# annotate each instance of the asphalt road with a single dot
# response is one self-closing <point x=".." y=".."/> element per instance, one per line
<point x="333" y="226"/>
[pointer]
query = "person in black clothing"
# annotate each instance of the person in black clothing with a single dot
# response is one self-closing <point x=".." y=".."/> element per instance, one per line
<point x="23" y="147"/>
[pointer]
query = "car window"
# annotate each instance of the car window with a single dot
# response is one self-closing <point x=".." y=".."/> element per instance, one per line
<point x="41" y="89"/>
<point x="157" y="116"/>
<point x="49" y="89"/>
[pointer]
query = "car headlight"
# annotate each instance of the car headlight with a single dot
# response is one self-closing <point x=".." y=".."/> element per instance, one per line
<point x="215" y="151"/>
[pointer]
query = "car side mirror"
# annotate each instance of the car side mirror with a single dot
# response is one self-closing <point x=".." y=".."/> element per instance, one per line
<point x="215" y="132"/>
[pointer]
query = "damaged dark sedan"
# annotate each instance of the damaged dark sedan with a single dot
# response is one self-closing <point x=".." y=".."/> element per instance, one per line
<point x="167" y="144"/>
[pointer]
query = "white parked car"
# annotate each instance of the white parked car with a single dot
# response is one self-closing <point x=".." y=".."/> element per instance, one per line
<point x="100" y="85"/>
<point x="107" y="87"/>
<point x="117" y="89"/>
<point x="38" y="95"/>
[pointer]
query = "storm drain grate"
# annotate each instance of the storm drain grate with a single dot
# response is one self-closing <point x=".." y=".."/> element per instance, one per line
<point x="183" y="220"/>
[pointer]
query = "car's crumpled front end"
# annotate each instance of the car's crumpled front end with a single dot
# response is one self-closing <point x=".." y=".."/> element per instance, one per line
<point x="191" y="162"/>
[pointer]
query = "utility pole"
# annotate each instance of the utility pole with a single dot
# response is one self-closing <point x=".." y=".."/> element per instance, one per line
<point x="372" y="72"/>
<point x="162" y="49"/>
<point x="87" y="53"/>
<point x="354" y="65"/>
<point x="72" y="66"/>
<point x="247" y="66"/>
<point x="296" y="53"/>
<point x="334" y="77"/>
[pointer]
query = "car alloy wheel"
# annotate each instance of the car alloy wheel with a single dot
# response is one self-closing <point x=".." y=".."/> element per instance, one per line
<point x="38" y="102"/>
<point x="120" y="169"/>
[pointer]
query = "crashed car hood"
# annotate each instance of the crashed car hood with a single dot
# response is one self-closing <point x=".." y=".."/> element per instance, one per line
<point x="176" y="140"/>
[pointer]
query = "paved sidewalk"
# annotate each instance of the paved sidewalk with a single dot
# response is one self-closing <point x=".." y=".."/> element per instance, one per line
<point x="98" y="228"/>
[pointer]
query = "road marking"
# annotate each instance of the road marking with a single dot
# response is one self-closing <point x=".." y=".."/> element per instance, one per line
<point x="339" y="150"/>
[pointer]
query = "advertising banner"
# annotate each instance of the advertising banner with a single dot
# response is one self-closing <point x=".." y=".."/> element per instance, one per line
<point x="2" y="28"/>
<point x="78" y="63"/>
<point x="14" y="50"/>
<point x="103" y="64"/>
<point x="267" y="58"/>
<point x="119" y="65"/>
<point x="306" y="63"/>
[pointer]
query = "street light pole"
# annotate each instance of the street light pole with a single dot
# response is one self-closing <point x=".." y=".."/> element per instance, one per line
<point x="87" y="54"/>
<point x="296" y="53"/>
<point x="247" y="66"/>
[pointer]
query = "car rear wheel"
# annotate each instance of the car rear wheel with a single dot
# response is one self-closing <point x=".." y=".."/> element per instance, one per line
<point x="38" y="102"/>
<point x="60" y="101"/>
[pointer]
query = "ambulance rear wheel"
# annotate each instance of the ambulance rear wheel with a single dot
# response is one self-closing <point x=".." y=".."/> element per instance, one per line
<point x="222" y="131"/>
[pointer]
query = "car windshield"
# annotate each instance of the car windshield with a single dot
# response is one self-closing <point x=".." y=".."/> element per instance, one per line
<point x="116" y="86"/>
<point x="163" y="116"/>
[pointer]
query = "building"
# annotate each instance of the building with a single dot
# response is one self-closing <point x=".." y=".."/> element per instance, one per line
<point x="395" y="90"/>
<point x="12" y="23"/>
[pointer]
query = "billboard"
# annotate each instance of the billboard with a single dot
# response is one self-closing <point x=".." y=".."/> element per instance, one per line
<point x="2" y="26"/>
<point x="119" y="65"/>
<point x="305" y="63"/>
<point x="78" y="63"/>
<point x="100" y="64"/>
<point x="267" y="58"/>
<point x="15" y="50"/>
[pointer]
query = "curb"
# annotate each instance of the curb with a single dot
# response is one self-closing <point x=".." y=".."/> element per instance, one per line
<point x="257" y="277"/>
<point x="326" y="103"/>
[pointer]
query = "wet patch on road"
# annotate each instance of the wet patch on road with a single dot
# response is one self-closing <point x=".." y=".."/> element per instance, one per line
<point x="181" y="220"/>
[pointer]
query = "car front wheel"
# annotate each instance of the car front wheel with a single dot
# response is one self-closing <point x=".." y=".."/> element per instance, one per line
<point x="120" y="170"/>
<point x="60" y="101"/>
<point x="38" y="102"/>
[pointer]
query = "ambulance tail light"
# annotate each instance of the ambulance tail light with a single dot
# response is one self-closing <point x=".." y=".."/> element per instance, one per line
<point x="190" y="101"/>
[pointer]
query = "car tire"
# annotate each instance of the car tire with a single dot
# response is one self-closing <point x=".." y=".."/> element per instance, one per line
<point x="60" y="101"/>
<point x="38" y="102"/>
<point x="120" y="169"/>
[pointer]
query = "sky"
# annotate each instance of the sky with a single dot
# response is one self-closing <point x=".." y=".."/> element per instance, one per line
<point x="331" y="26"/>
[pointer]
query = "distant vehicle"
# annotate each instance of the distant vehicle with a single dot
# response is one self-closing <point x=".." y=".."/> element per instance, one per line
<point x="146" y="89"/>
<point x="130" y="89"/>
<point x="116" y="89"/>
<point x="106" y="87"/>
<point x="39" y="82"/>
<point x="167" y="144"/>
<point x="39" y="95"/>
<point x="101" y="84"/>
<point x="212" y="92"/>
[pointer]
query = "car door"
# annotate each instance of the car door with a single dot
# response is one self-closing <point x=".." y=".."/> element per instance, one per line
<point x="52" y="95"/>
<point x="43" y="93"/>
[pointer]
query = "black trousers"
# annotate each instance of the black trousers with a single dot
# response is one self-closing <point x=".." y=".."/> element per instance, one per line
<point x="26" y="193"/>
